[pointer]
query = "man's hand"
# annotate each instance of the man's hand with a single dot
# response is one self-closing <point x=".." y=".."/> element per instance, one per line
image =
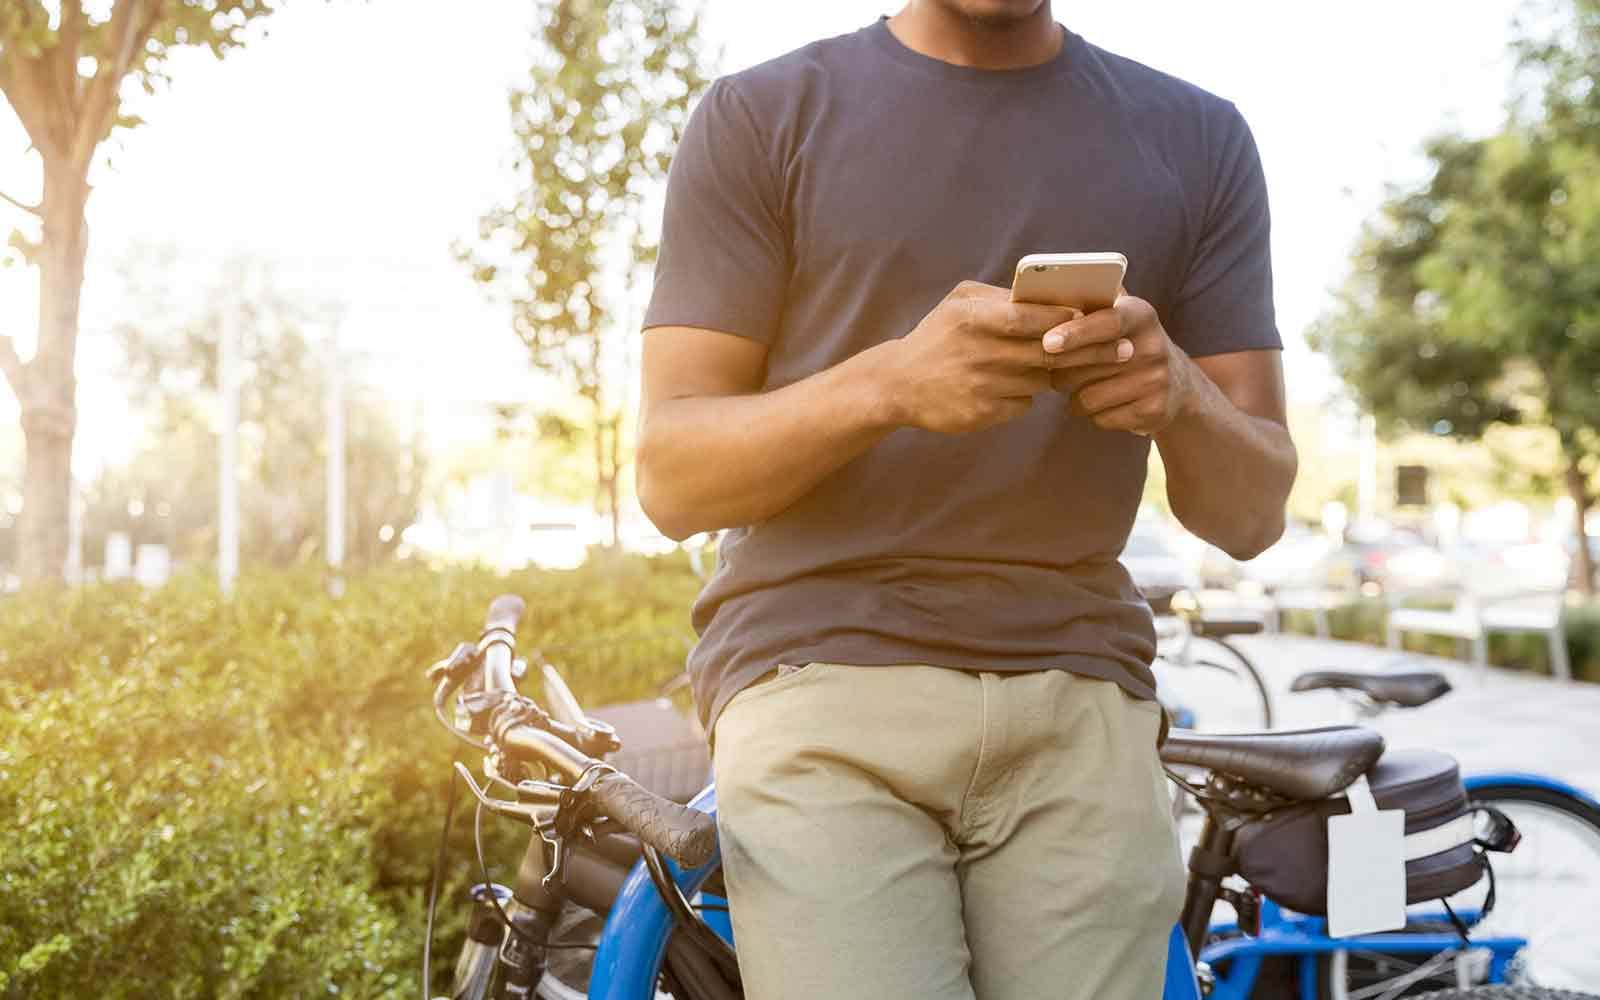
<point x="1121" y="369"/>
<point x="973" y="362"/>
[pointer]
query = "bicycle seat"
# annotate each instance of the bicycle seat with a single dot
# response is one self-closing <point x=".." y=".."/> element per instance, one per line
<point x="1218" y="627"/>
<point x="1297" y="764"/>
<point x="1405" y="690"/>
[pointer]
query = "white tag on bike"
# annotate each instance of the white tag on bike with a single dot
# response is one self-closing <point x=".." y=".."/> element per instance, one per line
<point x="1366" y="866"/>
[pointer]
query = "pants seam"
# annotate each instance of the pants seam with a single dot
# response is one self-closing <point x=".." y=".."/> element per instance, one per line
<point x="983" y="752"/>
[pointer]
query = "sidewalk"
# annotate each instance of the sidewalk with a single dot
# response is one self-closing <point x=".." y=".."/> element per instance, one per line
<point x="1494" y="720"/>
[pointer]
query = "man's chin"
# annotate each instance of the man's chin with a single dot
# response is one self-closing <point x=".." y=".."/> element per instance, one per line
<point x="995" y="13"/>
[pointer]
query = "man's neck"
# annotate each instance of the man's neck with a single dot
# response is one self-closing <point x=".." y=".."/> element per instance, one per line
<point x="940" y="33"/>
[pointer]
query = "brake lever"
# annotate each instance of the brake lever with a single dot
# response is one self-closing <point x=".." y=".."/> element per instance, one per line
<point x="527" y="812"/>
<point x="571" y="818"/>
<point x="462" y="657"/>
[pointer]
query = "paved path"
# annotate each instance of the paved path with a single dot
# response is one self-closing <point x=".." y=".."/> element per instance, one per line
<point x="1494" y="720"/>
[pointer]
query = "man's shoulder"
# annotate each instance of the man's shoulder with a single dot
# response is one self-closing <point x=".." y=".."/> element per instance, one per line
<point x="1151" y="89"/>
<point x="780" y="81"/>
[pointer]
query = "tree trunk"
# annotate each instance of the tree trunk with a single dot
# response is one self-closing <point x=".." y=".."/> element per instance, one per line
<point x="1578" y="489"/>
<point x="47" y="395"/>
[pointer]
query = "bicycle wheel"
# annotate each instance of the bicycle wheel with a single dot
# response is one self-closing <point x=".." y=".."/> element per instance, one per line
<point x="1546" y="887"/>
<point x="1542" y="889"/>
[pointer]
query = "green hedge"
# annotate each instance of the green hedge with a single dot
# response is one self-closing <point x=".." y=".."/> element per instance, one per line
<point x="1363" y="621"/>
<point x="241" y="799"/>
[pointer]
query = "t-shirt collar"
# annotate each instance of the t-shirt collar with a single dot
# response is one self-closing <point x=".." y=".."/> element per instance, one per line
<point x="1058" y="64"/>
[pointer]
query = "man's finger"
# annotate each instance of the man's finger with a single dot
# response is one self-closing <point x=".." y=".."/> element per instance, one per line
<point x="1103" y="326"/>
<point x="1109" y="393"/>
<point x="1024" y="319"/>
<point x="1116" y="353"/>
<point x="1012" y="354"/>
<point x="1073" y="379"/>
<point x="1131" y="417"/>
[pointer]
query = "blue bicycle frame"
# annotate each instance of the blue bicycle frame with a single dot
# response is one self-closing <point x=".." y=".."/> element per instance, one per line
<point x="635" y="937"/>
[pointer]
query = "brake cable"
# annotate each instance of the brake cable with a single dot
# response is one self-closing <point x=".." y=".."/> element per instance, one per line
<point x="708" y="940"/>
<point x="505" y="918"/>
<point x="433" y="888"/>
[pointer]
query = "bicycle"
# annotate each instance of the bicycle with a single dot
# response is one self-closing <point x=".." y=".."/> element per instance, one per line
<point x="1556" y="869"/>
<point x="1189" y="639"/>
<point x="603" y="843"/>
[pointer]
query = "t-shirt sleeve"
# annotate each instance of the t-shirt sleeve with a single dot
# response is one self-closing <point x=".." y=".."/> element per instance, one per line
<point x="1225" y="301"/>
<point x="723" y="260"/>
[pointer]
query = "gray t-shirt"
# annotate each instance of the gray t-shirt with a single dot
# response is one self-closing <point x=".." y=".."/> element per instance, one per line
<point x="824" y="202"/>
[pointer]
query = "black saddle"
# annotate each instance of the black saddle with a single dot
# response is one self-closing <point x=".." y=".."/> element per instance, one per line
<point x="1217" y="627"/>
<point x="1406" y="690"/>
<point x="1300" y="764"/>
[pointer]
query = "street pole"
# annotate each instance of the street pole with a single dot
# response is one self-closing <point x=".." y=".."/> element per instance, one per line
<point x="228" y="489"/>
<point x="336" y="465"/>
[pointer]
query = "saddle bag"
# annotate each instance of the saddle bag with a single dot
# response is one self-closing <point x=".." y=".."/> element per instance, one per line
<point x="1285" y="853"/>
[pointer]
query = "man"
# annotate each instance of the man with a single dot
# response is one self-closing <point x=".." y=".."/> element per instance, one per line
<point x="925" y="672"/>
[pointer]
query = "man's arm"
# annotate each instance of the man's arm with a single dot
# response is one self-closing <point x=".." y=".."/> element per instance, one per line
<point x="1229" y="458"/>
<point x="714" y="452"/>
<point x="1219" y="421"/>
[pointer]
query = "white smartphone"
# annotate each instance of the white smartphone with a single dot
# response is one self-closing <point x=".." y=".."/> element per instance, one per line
<point x="1087" y="281"/>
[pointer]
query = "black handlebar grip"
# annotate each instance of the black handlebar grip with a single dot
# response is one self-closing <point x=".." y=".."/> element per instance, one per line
<point x="504" y="612"/>
<point x="688" y="836"/>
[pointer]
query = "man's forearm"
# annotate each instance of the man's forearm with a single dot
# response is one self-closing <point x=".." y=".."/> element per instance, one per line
<point x="1228" y="473"/>
<point x="710" y="462"/>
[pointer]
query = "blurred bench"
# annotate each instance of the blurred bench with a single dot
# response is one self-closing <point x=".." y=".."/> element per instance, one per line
<point x="1319" y="602"/>
<point x="1474" y="615"/>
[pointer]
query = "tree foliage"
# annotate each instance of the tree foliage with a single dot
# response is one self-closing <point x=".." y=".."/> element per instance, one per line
<point x="1475" y="298"/>
<point x="595" y="125"/>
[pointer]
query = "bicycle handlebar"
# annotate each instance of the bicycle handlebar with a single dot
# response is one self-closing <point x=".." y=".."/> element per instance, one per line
<point x="499" y="642"/>
<point x="686" y="835"/>
<point x="504" y="612"/>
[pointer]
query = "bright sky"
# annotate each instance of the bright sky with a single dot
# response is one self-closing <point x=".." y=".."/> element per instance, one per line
<point x="358" y="140"/>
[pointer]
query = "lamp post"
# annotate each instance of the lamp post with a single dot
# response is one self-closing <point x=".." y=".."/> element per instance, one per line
<point x="228" y="489"/>
<point x="336" y="464"/>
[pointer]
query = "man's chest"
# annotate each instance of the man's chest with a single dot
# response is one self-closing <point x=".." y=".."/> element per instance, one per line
<point x="907" y="198"/>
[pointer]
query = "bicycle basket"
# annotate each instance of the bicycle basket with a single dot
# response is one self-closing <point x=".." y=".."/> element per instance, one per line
<point x="1285" y="853"/>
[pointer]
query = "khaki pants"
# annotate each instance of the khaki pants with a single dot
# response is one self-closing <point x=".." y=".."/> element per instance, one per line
<point x="923" y="832"/>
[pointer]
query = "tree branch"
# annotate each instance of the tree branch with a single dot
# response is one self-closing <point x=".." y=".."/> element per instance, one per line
<point x="33" y="104"/>
<point x="15" y="371"/>
<point x="20" y="204"/>
<point x="130" y="25"/>
<point x="69" y="40"/>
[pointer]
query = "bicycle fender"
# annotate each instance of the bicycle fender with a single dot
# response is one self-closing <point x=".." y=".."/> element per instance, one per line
<point x="1524" y="779"/>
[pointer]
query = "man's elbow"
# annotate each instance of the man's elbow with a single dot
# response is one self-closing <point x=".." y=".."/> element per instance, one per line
<point x="1264" y="533"/>
<point x="656" y="499"/>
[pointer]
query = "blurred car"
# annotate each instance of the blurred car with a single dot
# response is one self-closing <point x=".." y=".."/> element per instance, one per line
<point x="1300" y="559"/>
<point x="1152" y="560"/>
<point x="1377" y="557"/>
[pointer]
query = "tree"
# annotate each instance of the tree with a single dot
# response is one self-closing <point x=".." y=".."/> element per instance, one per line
<point x="1475" y="298"/>
<point x="604" y="105"/>
<point x="1475" y="301"/>
<point x="63" y="71"/>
